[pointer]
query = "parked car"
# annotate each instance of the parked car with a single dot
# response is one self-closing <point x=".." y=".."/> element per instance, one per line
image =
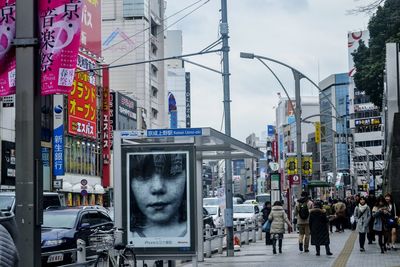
<point x="245" y="211"/>
<point x="213" y="201"/>
<point x="216" y="213"/>
<point x="50" y="199"/>
<point x="207" y="219"/>
<point x="251" y="201"/>
<point x="62" y="226"/>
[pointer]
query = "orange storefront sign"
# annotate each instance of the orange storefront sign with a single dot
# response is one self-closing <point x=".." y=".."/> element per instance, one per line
<point x="82" y="106"/>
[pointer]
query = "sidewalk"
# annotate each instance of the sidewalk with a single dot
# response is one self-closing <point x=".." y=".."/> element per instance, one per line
<point x="344" y="247"/>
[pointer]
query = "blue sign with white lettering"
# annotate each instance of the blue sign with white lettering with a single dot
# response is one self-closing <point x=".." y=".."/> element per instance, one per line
<point x="174" y="132"/>
<point x="270" y="130"/>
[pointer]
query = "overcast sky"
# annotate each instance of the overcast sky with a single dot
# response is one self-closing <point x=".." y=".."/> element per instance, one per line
<point x="310" y="35"/>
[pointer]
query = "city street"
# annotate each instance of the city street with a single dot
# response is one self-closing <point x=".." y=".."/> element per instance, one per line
<point x="344" y="247"/>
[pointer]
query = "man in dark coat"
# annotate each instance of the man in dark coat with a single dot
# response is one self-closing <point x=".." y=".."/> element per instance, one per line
<point x="319" y="229"/>
<point x="266" y="210"/>
<point x="371" y="201"/>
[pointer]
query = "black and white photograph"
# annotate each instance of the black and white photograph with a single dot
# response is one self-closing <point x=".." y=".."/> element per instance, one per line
<point x="158" y="197"/>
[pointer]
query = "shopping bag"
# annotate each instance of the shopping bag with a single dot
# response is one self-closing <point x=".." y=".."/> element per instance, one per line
<point x="266" y="226"/>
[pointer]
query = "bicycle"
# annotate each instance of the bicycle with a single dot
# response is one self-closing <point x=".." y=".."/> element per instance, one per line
<point x="110" y="252"/>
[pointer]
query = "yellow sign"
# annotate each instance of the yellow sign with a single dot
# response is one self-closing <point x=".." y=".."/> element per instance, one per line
<point x="307" y="165"/>
<point x="291" y="165"/>
<point x="317" y="132"/>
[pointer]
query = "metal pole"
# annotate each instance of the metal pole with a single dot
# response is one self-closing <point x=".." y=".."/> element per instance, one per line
<point x="297" y="78"/>
<point x="368" y="171"/>
<point x="227" y="111"/>
<point x="29" y="182"/>
<point x="334" y="169"/>
<point x="373" y="173"/>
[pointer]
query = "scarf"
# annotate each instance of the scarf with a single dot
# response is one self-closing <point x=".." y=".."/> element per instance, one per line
<point x="362" y="208"/>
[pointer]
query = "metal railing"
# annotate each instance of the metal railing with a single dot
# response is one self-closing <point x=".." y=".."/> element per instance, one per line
<point x="247" y="231"/>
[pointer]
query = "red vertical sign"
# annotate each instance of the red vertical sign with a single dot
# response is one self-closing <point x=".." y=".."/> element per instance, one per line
<point x="106" y="129"/>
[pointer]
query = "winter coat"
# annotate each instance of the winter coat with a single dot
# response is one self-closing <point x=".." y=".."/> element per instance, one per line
<point x="8" y="250"/>
<point x="319" y="227"/>
<point x="265" y="213"/>
<point x="362" y="218"/>
<point x="297" y="208"/>
<point x="380" y="218"/>
<point x="340" y="209"/>
<point x="278" y="218"/>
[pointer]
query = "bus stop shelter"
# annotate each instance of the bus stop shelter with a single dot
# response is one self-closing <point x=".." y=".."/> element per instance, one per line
<point x="198" y="144"/>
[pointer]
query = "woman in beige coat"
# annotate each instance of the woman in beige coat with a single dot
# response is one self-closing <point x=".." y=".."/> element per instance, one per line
<point x="278" y="218"/>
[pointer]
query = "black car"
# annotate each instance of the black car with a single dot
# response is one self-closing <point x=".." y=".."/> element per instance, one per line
<point x="62" y="226"/>
<point x="207" y="219"/>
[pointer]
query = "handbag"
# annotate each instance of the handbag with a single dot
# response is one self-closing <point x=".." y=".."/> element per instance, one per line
<point x="266" y="226"/>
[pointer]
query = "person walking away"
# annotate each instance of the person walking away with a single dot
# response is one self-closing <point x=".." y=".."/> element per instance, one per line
<point x="302" y="213"/>
<point x="371" y="201"/>
<point x="340" y="211"/>
<point x="278" y="217"/>
<point x="380" y="212"/>
<point x="362" y="216"/>
<point x="392" y="222"/>
<point x="329" y="212"/>
<point x="266" y="210"/>
<point x="319" y="228"/>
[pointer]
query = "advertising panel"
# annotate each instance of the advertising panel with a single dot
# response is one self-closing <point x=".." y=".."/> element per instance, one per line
<point x="82" y="106"/>
<point x="366" y="122"/>
<point x="353" y="39"/>
<point x="188" y="116"/>
<point x="7" y="163"/>
<point x="158" y="204"/>
<point x="307" y="165"/>
<point x="270" y="130"/>
<point x="127" y="107"/>
<point x="317" y="132"/>
<point x="91" y="33"/>
<point x="291" y="165"/>
<point x="58" y="135"/>
<point x="60" y="29"/>
<point x="7" y="52"/>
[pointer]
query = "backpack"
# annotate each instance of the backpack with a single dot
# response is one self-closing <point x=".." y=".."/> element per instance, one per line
<point x="303" y="211"/>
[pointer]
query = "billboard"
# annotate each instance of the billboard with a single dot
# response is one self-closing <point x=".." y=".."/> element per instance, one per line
<point x="270" y="130"/>
<point x="82" y="106"/>
<point x="353" y="39"/>
<point x="291" y="165"/>
<point x="58" y="135"/>
<point x="7" y="163"/>
<point x="91" y="32"/>
<point x="158" y="203"/>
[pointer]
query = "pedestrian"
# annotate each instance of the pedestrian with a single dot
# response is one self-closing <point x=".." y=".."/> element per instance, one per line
<point x="158" y="199"/>
<point x="302" y="213"/>
<point x="266" y="210"/>
<point x="392" y="222"/>
<point x="8" y="236"/>
<point x="371" y="201"/>
<point x="319" y="228"/>
<point x="362" y="216"/>
<point x="340" y="212"/>
<point x="380" y="212"/>
<point x="278" y="217"/>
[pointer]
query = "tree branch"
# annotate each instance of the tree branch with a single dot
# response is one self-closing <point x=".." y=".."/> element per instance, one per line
<point x="368" y="8"/>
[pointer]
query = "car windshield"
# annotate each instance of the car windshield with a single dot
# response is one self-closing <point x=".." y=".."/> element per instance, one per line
<point x="212" y="210"/>
<point x="6" y="203"/>
<point x="56" y="219"/>
<point x="210" y="201"/>
<point x="243" y="209"/>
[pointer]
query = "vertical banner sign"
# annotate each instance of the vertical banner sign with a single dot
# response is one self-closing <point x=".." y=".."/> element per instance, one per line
<point x="60" y="27"/>
<point x="275" y="181"/>
<point x="58" y="136"/>
<point x="275" y="150"/>
<point x="291" y="165"/>
<point x="91" y="32"/>
<point x="317" y="132"/>
<point x="106" y="128"/>
<point x="173" y="114"/>
<point x="307" y="165"/>
<point x="187" y="99"/>
<point x="82" y="101"/>
<point x="7" y="50"/>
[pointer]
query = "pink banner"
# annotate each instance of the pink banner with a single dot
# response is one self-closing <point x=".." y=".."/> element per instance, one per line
<point x="60" y="26"/>
<point x="7" y="50"/>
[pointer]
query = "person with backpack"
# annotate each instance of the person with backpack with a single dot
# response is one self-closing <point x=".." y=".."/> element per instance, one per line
<point x="362" y="216"/>
<point x="340" y="212"/>
<point x="302" y="213"/>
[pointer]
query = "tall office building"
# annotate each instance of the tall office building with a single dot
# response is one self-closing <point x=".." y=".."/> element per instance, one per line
<point x="334" y="130"/>
<point x="133" y="31"/>
<point x="366" y="125"/>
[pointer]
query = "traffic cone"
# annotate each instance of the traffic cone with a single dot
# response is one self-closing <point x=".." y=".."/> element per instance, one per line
<point x="236" y="243"/>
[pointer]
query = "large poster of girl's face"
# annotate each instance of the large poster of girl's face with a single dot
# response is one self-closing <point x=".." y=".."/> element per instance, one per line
<point x="158" y="194"/>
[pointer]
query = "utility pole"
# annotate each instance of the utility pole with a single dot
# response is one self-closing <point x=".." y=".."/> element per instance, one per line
<point x="29" y="182"/>
<point x="297" y="78"/>
<point x="224" y="30"/>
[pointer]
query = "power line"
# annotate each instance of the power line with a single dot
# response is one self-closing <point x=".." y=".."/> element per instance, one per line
<point x="162" y="31"/>
<point x="165" y="19"/>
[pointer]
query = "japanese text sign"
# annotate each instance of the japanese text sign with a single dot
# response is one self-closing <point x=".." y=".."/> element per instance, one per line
<point x="7" y="50"/>
<point x="60" y="28"/>
<point x="82" y="106"/>
<point x="91" y="32"/>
